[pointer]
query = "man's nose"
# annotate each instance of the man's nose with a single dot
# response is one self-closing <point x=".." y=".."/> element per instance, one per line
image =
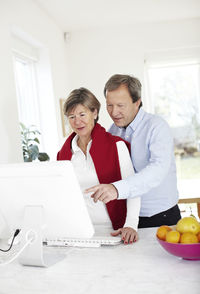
<point x="114" y="111"/>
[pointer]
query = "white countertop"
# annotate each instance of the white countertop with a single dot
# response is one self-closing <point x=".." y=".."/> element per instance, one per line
<point x="143" y="267"/>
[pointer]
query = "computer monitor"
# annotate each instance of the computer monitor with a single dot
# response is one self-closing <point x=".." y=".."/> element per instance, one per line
<point x="44" y="197"/>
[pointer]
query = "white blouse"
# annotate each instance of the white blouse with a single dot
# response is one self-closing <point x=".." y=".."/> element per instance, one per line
<point x="87" y="177"/>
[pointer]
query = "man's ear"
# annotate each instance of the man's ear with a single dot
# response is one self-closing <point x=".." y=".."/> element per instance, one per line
<point x="138" y="102"/>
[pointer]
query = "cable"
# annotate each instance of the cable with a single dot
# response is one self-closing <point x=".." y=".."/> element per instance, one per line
<point x="18" y="253"/>
<point x="14" y="236"/>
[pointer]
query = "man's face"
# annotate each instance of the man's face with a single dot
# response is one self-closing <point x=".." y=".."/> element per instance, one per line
<point x="120" y="106"/>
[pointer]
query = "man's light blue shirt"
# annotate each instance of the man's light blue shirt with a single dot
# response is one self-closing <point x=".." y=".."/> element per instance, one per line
<point x="152" y="154"/>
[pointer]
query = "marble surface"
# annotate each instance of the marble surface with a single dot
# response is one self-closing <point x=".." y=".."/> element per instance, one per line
<point x="143" y="267"/>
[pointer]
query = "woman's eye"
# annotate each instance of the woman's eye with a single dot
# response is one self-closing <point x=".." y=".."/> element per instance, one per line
<point x="71" y="117"/>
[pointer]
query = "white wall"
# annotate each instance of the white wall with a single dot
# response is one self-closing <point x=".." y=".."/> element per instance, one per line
<point x="88" y="59"/>
<point x="27" y="18"/>
<point x="95" y="55"/>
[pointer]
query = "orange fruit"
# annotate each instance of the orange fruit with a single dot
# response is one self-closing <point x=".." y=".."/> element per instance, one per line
<point x="162" y="231"/>
<point x="188" y="225"/>
<point x="198" y="236"/>
<point x="173" y="236"/>
<point x="188" y="238"/>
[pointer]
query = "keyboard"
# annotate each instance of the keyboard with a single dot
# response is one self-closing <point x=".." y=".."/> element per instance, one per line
<point x="95" y="241"/>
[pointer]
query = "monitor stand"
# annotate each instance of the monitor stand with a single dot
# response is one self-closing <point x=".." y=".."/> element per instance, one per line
<point x="32" y="230"/>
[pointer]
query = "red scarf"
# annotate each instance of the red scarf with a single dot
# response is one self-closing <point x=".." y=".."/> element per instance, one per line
<point x="105" y="157"/>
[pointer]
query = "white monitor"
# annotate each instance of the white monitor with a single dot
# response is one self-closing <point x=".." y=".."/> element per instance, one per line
<point x="53" y="188"/>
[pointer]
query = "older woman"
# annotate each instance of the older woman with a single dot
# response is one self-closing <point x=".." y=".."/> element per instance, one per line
<point x="99" y="157"/>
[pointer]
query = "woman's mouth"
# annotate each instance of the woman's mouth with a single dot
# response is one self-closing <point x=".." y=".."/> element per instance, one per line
<point x="80" y="129"/>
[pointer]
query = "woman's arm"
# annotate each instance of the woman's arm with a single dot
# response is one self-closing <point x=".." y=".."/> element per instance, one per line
<point x="133" y="205"/>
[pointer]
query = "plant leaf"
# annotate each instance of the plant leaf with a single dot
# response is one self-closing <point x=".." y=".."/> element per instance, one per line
<point x="34" y="152"/>
<point x="37" y="140"/>
<point x="27" y="159"/>
<point x="22" y="126"/>
<point x="43" y="156"/>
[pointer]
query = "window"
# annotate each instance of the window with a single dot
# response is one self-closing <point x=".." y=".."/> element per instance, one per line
<point x="34" y="89"/>
<point x="27" y="93"/>
<point x="174" y="91"/>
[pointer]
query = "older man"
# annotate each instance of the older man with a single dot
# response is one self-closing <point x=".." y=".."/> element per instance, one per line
<point x="151" y="153"/>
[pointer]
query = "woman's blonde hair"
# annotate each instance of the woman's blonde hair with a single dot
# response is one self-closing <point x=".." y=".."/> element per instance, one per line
<point x="84" y="97"/>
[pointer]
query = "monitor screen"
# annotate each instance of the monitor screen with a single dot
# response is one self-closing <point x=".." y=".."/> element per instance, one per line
<point x="50" y="185"/>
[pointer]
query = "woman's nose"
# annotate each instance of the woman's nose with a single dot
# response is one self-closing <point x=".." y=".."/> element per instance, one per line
<point x="77" y="120"/>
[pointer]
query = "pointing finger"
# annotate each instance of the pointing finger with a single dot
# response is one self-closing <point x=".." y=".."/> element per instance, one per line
<point x="91" y="189"/>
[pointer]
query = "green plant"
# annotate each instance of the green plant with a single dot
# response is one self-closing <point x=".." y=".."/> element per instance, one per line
<point x="30" y="143"/>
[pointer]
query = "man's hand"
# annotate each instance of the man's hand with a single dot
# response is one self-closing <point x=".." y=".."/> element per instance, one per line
<point x="103" y="192"/>
<point x="128" y="235"/>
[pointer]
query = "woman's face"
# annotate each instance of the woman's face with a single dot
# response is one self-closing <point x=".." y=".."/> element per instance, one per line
<point x="81" y="120"/>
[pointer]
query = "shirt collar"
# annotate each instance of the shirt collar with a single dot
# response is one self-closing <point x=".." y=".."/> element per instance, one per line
<point x="139" y="116"/>
<point x="76" y="148"/>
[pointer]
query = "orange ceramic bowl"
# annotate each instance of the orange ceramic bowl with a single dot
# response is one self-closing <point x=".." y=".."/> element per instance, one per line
<point x="186" y="251"/>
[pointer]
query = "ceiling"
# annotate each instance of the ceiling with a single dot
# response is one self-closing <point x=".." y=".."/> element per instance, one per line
<point x="73" y="15"/>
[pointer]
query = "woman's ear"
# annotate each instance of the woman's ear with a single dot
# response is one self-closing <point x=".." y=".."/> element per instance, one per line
<point x="95" y="113"/>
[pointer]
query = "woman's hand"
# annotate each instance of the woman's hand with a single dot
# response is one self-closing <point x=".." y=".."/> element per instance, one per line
<point x="128" y="235"/>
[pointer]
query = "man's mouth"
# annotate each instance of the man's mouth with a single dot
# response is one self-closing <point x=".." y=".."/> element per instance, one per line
<point x="117" y="118"/>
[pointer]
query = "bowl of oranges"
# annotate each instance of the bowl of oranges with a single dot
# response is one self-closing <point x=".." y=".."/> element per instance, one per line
<point x="183" y="240"/>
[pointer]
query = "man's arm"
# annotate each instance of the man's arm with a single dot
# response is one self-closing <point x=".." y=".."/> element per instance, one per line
<point x="160" y="151"/>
